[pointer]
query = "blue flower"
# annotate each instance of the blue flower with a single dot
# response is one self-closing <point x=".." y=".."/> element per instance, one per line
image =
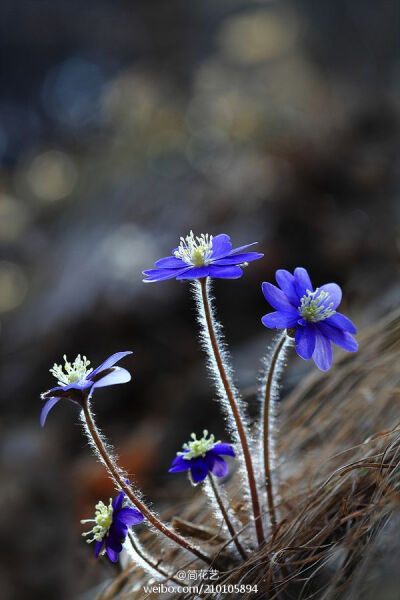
<point x="202" y="256"/>
<point x="201" y="457"/>
<point x="312" y="313"/>
<point x="77" y="382"/>
<point x="111" y="524"/>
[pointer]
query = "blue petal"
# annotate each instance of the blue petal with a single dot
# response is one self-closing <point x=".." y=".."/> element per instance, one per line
<point x="238" y="259"/>
<point x="179" y="458"/>
<point x="219" y="466"/>
<point x="117" y="375"/>
<point x="303" y="322"/>
<point x="118" y="500"/>
<point x="279" y="320"/>
<point x="46" y="409"/>
<point x="228" y="272"/>
<point x="112" y="554"/>
<point x="162" y="274"/>
<point x="302" y="282"/>
<point x="194" y="273"/>
<point x="117" y="533"/>
<point x="286" y="282"/>
<point x="109" y="362"/>
<point x="241" y="248"/>
<point x="179" y="464"/>
<point x="335" y="294"/>
<point x="170" y="262"/>
<point x="340" y="338"/>
<point x="97" y="548"/>
<point x="199" y="469"/>
<point x="71" y="392"/>
<point x="341" y="322"/>
<point x="277" y="298"/>
<point x="322" y="354"/>
<point x="223" y="449"/>
<point x="221" y="245"/>
<point x="130" y="516"/>
<point x="84" y="384"/>
<point x="49" y="393"/>
<point x="305" y="341"/>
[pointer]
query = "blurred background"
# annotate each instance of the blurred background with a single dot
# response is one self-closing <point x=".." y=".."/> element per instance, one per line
<point x="123" y="125"/>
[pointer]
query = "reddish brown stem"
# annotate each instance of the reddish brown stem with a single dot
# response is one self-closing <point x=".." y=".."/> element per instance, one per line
<point x="235" y="411"/>
<point x="113" y="470"/>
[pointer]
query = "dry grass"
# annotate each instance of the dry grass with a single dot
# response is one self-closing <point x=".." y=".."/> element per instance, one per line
<point x="339" y="444"/>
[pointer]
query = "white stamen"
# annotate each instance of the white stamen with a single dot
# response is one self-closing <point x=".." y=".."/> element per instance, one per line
<point x="314" y="306"/>
<point x="103" y="519"/>
<point x="76" y="371"/>
<point x="195" y="251"/>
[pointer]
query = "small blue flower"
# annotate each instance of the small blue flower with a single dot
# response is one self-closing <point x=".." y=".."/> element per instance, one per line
<point x="312" y="313"/>
<point x="111" y="524"/>
<point x="77" y="382"/>
<point x="201" y="457"/>
<point x="202" y="256"/>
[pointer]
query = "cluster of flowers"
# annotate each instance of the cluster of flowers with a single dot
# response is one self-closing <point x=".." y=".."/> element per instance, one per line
<point x="308" y="314"/>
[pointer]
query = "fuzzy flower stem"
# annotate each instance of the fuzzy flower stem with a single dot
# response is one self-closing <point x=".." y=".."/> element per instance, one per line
<point x="113" y="470"/>
<point x="235" y="411"/>
<point x="267" y="429"/>
<point x="226" y="517"/>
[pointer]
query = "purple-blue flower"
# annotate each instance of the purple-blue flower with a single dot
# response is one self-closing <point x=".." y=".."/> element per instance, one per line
<point x="202" y="256"/>
<point x="111" y="524"/>
<point x="312" y="313"/>
<point x="77" y="382"/>
<point x="201" y="457"/>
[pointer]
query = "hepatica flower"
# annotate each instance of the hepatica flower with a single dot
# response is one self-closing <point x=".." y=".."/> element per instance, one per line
<point x="77" y="382"/>
<point x="201" y="457"/>
<point x="202" y="256"/>
<point x="312" y="313"/>
<point x="111" y="524"/>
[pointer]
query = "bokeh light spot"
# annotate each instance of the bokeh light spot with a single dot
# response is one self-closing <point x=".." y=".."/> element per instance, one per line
<point x="14" y="218"/>
<point x="13" y="286"/>
<point x="52" y="175"/>
<point x="256" y="37"/>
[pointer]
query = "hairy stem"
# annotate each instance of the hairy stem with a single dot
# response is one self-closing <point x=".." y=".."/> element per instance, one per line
<point x="226" y="517"/>
<point x="235" y="410"/>
<point x="119" y="479"/>
<point x="267" y="433"/>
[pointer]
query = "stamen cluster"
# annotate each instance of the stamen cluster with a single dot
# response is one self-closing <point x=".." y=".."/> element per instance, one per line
<point x="196" y="447"/>
<point x="195" y="250"/>
<point x="76" y="371"/>
<point x="103" y="520"/>
<point x="313" y="306"/>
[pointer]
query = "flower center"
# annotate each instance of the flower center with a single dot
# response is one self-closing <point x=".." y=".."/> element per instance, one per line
<point x="77" y="371"/>
<point x="314" y="306"/>
<point x="102" y="522"/>
<point x="196" y="447"/>
<point x="195" y="251"/>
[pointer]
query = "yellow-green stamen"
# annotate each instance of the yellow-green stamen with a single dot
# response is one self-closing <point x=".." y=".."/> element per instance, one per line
<point x="196" y="447"/>
<point x="103" y="519"/>
<point x="76" y="371"/>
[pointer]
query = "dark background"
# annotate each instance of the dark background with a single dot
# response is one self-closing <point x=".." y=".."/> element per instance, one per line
<point x="123" y="125"/>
